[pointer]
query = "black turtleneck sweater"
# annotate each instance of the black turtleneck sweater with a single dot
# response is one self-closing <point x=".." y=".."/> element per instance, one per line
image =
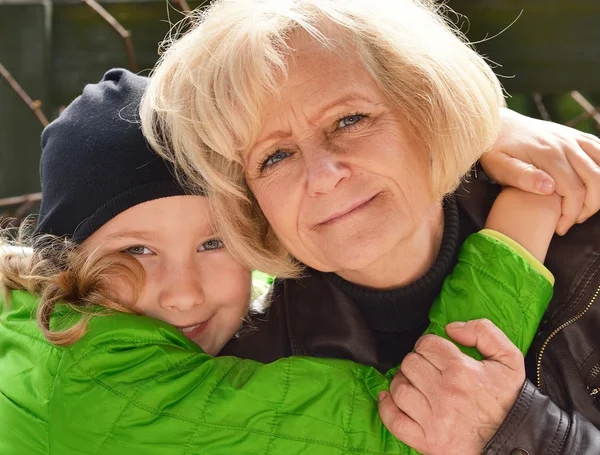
<point x="398" y="317"/>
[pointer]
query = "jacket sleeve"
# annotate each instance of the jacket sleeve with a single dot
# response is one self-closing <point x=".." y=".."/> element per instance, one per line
<point x="497" y="280"/>
<point x="535" y="425"/>
<point x="135" y="385"/>
<point x="513" y="291"/>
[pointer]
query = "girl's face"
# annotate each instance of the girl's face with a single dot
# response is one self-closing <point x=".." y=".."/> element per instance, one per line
<point x="192" y="281"/>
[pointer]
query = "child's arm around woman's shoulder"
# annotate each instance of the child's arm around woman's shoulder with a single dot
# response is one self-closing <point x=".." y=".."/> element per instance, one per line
<point x="528" y="219"/>
<point x="500" y="274"/>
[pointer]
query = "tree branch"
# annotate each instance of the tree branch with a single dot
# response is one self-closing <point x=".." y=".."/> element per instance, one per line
<point x="125" y="34"/>
<point x="586" y="105"/>
<point x="35" y="106"/>
<point x="27" y="198"/>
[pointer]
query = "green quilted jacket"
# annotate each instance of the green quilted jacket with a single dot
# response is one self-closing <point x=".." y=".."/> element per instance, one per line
<point x="135" y="385"/>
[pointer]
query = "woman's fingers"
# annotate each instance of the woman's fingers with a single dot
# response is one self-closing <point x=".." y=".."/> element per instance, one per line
<point x="489" y="340"/>
<point x="438" y="351"/>
<point x="443" y="401"/>
<point x="420" y="371"/>
<point x="409" y="399"/>
<point x="568" y="182"/>
<point x="510" y="171"/>
<point x="541" y="157"/>
<point x="587" y="165"/>
<point x="592" y="137"/>
<point x="399" y="424"/>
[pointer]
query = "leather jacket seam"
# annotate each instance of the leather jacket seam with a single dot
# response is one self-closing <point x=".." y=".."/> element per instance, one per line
<point x="553" y="449"/>
<point x="586" y="360"/>
<point x="564" y="438"/>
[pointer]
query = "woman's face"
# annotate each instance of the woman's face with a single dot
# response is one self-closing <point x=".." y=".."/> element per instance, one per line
<point x="192" y="281"/>
<point x="335" y="171"/>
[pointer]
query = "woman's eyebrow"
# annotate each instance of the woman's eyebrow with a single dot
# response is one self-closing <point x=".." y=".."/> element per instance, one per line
<point x="345" y="100"/>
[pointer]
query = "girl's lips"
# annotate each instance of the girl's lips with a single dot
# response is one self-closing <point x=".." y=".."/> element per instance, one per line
<point x="193" y="331"/>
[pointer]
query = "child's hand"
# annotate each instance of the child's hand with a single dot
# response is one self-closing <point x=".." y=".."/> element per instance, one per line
<point x="541" y="157"/>
<point x="443" y="401"/>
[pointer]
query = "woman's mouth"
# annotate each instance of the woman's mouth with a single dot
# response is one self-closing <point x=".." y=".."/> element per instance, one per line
<point x="354" y="208"/>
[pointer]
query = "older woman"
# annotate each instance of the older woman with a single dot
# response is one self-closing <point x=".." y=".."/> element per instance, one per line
<point x="332" y="137"/>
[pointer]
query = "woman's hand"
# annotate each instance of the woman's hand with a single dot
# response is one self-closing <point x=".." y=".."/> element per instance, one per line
<point x="541" y="157"/>
<point x="443" y="401"/>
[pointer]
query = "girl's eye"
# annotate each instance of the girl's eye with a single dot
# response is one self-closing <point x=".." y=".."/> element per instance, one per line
<point x="275" y="158"/>
<point x="213" y="244"/>
<point x="137" y="250"/>
<point x="350" y="120"/>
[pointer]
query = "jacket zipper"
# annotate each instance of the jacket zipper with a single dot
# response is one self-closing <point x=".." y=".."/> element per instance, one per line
<point x="555" y="332"/>
<point x="595" y="371"/>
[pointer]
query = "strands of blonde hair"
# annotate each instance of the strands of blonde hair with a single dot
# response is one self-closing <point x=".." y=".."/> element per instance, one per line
<point x="59" y="273"/>
<point x="207" y="96"/>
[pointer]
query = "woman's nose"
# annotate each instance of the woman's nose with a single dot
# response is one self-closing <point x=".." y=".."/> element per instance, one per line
<point x="182" y="290"/>
<point x="325" y="171"/>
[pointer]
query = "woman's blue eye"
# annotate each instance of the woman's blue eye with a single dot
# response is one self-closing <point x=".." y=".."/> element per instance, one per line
<point x="350" y="120"/>
<point x="137" y="250"/>
<point x="213" y="244"/>
<point x="275" y="158"/>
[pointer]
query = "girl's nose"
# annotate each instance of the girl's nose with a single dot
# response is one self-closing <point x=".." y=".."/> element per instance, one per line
<point x="182" y="291"/>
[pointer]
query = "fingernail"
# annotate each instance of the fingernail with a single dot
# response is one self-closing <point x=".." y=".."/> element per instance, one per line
<point x="545" y="186"/>
<point x="456" y="325"/>
<point x="381" y="396"/>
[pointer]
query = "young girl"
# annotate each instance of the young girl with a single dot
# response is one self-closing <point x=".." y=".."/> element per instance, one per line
<point x="119" y="382"/>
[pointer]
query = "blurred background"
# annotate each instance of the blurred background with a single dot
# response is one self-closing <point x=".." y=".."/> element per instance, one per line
<point x="547" y="54"/>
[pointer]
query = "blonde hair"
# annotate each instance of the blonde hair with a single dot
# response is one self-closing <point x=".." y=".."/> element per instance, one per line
<point x="206" y="98"/>
<point x="56" y="270"/>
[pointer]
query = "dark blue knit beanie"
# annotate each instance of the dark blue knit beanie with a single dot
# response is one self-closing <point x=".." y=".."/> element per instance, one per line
<point x="95" y="161"/>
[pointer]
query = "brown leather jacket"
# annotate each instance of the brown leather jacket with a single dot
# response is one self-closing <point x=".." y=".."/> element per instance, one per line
<point x="558" y="410"/>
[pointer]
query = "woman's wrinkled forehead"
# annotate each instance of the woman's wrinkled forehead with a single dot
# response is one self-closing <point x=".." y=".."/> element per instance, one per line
<point x="302" y="47"/>
<point x="320" y="89"/>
